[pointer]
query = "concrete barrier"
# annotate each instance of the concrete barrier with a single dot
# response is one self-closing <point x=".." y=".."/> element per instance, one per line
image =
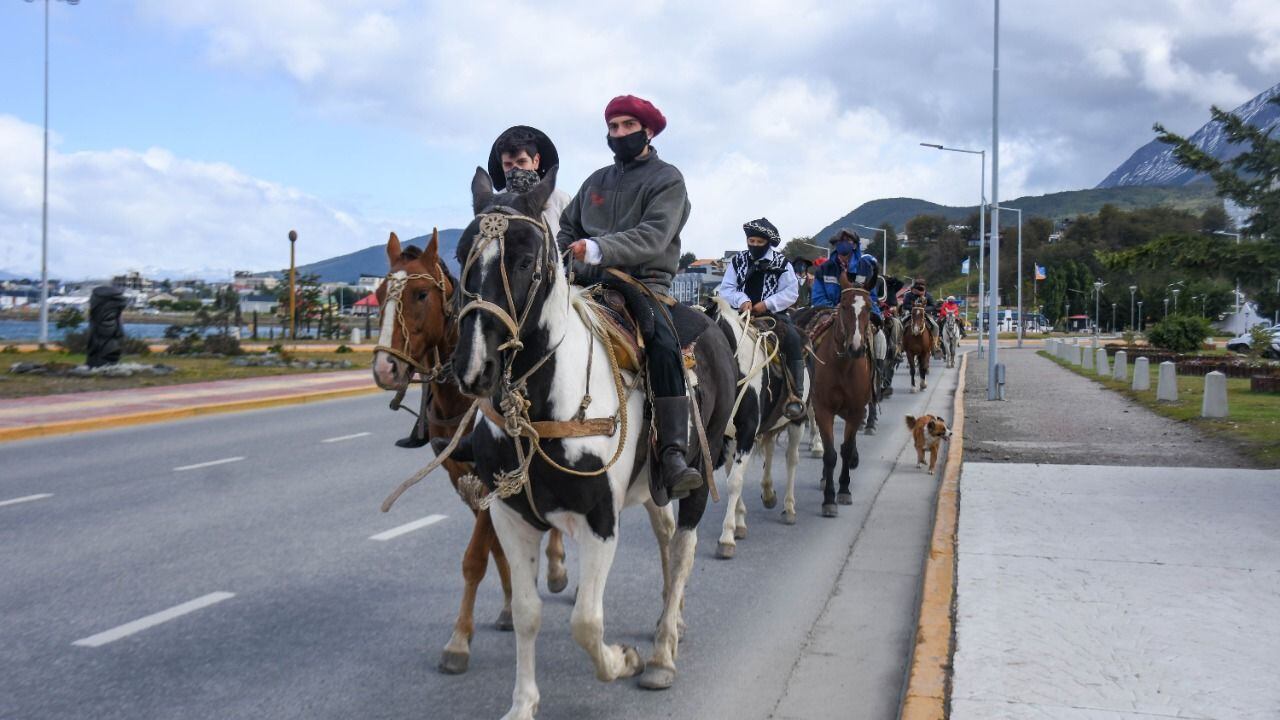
<point x="355" y="336"/>
<point x="1121" y="369"/>
<point x="1215" y="396"/>
<point x="1100" y="361"/>
<point x="1077" y="354"/>
<point x="1167" y="385"/>
<point x="1086" y="357"/>
<point x="1141" y="374"/>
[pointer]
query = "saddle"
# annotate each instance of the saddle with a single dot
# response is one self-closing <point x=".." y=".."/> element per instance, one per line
<point x="819" y="324"/>
<point x="623" y="333"/>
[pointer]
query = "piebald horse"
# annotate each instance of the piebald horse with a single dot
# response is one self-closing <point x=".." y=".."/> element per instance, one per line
<point x="917" y="344"/>
<point x="530" y="350"/>
<point x="417" y="332"/>
<point x="757" y="422"/>
<point x="842" y="385"/>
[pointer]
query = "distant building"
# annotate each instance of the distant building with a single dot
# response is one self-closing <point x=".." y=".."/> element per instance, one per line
<point x="368" y="283"/>
<point x="246" y="281"/>
<point x="162" y="298"/>
<point x="263" y="304"/>
<point x="133" y="280"/>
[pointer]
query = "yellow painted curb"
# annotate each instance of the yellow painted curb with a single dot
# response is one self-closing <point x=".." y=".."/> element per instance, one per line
<point x="154" y="416"/>
<point x="928" y="684"/>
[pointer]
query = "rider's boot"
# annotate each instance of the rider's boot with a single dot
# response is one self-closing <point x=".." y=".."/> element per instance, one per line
<point x="416" y="438"/>
<point x="794" y="409"/>
<point x="674" y="479"/>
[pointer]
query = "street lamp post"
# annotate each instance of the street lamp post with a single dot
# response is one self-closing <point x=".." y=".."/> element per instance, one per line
<point x="1020" y="320"/>
<point x="1166" y="307"/>
<point x="1113" y="318"/>
<point x="1132" y="324"/>
<point x="884" y="261"/>
<point x="993" y="392"/>
<point x="1097" y="298"/>
<point x="293" y="295"/>
<point x="1175" y="300"/>
<point x="982" y="229"/>
<point x="1084" y="301"/>
<point x="1140" y="323"/>
<point x="44" y="201"/>
<point x="1237" y="237"/>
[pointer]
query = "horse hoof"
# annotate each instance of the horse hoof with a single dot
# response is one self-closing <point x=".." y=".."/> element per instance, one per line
<point x="632" y="664"/>
<point x="844" y="498"/>
<point x="815" y="452"/>
<point x="725" y="551"/>
<point x="504" y="622"/>
<point x="788" y="517"/>
<point x="770" y="500"/>
<point x="557" y="583"/>
<point x="740" y="533"/>
<point x="453" y="663"/>
<point x="657" y="678"/>
<point x="830" y="510"/>
<point x="871" y="431"/>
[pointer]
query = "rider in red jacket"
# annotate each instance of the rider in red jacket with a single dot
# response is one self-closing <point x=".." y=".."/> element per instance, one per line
<point x="951" y="307"/>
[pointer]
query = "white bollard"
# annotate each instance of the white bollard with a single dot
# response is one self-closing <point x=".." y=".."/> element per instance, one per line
<point x="1215" y="396"/>
<point x="1100" y="361"/>
<point x="1141" y="374"/>
<point x="1087" y="357"/>
<point x="1077" y="354"/>
<point x="1121" y="369"/>
<point x="355" y="336"/>
<point x="1167" y="387"/>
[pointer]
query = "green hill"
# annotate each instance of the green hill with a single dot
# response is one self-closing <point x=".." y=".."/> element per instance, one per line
<point x="1054" y="206"/>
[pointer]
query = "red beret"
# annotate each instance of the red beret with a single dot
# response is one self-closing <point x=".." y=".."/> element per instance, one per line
<point x="638" y="108"/>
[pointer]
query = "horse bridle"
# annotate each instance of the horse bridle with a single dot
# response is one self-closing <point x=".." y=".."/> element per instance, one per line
<point x="396" y="282"/>
<point x="848" y="350"/>
<point x="492" y="228"/>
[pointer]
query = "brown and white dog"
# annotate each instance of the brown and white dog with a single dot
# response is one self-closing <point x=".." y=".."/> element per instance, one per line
<point x="928" y="431"/>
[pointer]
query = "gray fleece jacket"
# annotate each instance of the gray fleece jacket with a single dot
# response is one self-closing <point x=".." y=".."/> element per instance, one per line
<point x="635" y="213"/>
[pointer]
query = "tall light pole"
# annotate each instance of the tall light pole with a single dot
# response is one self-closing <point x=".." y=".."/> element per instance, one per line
<point x="44" y="202"/>
<point x="1166" y="307"/>
<point x="1141" y="325"/>
<point x="993" y="309"/>
<point x="1237" y="237"/>
<point x="1132" y="325"/>
<point x="1113" y="318"/>
<point x="293" y="294"/>
<point x="982" y="219"/>
<point x="1097" y="312"/>
<point x="1020" y="320"/>
<point x="884" y="261"/>
<point x="1175" y="300"/>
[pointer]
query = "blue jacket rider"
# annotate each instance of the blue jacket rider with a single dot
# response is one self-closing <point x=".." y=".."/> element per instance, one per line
<point x="863" y="270"/>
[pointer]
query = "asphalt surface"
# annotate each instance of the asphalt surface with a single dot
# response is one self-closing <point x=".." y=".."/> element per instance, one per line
<point x="1052" y="415"/>
<point x="324" y="622"/>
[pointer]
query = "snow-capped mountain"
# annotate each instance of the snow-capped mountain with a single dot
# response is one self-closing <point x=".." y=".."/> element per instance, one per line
<point x="1153" y="163"/>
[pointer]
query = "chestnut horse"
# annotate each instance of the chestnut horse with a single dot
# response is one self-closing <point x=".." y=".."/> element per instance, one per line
<point x="917" y="344"/>
<point x="842" y="386"/>
<point x="418" y="329"/>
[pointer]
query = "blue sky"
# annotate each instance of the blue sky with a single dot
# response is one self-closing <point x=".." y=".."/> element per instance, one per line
<point x="189" y="137"/>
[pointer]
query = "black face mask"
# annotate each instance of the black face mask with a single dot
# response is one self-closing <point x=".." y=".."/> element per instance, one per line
<point x="628" y="147"/>
<point x="757" y="251"/>
<point x="520" y="180"/>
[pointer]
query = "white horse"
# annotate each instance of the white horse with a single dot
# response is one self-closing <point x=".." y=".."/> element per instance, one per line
<point x="524" y="339"/>
<point x="757" y="422"/>
<point x="950" y="339"/>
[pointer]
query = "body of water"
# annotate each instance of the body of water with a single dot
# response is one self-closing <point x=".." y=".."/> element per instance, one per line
<point x="29" y="331"/>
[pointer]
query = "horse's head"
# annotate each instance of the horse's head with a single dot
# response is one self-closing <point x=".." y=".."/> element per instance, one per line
<point x="918" y="324"/>
<point x="415" y="299"/>
<point x="509" y="264"/>
<point x="854" y="317"/>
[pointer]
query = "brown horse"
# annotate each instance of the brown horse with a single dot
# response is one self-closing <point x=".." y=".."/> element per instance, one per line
<point x="917" y="343"/>
<point x="418" y="329"/>
<point x="842" y="386"/>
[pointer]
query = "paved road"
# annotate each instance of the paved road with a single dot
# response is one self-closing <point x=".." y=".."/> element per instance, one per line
<point x="264" y="521"/>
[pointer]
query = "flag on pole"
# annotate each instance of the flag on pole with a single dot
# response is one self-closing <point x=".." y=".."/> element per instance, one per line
<point x="1039" y="272"/>
<point x="964" y="267"/>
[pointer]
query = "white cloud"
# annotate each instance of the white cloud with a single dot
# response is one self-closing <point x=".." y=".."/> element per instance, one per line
<point x="116" y="210"/>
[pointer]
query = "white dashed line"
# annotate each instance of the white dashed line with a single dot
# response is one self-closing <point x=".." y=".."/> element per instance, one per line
<point x="352" y="436"/>
<point x="407" y="528"/>
<point x="25" y="498"/>
<point x="141" y="624"/>
<point x="208" y="464"/>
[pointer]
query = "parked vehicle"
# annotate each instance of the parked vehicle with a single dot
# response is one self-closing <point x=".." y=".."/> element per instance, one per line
<point x="1242" y="343"/>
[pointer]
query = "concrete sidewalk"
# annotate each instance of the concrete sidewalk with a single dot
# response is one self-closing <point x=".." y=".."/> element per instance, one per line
<point x="75" y="412"/>
<point x="1111" y="564"/>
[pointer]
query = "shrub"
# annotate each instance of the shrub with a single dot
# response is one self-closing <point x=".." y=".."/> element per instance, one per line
<point x="70" y="319"/>
<point x="1128" y="336"/>
<point x="342" y="349"/>
<point x="223" y="345"/>
<point x="1259" y="341"/>
<point x="10" y="349"/>
<point x="1179" y="333"/>
<point x="134" y="346"/>
<point x="76" y="342"/>
<point x="173" y="332"/>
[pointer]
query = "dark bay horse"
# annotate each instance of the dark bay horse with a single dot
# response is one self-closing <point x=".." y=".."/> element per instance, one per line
<point x="917" y="344"/>
<point x="418" y="335"/>
<point x="842" y="386"/>
<point x="561" y="441"/>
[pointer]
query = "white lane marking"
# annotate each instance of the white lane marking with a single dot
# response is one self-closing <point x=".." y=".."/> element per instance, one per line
<point x="208" y="464"/>
<point x="141" y="624"/>
<point x="340" y="438"/>
<point x="407" y="528"/>
<point x="26" y="498"/>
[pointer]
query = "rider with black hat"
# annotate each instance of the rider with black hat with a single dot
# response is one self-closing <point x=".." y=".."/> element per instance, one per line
<point x="760" y="281"/>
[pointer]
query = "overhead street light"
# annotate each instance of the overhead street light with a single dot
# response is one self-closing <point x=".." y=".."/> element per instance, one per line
<point x="1020" y="320"/>
<point x="884" y="261"/>
<point x="1132" y="289"/>
<point x="44" y="202"/>
<point x="982" y="220"/>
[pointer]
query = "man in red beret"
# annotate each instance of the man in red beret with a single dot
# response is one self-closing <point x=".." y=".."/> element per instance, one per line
<point x="629" y="216"/>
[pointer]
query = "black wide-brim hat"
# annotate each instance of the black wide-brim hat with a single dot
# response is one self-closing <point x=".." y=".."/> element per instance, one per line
<point x="546" y="148"/>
